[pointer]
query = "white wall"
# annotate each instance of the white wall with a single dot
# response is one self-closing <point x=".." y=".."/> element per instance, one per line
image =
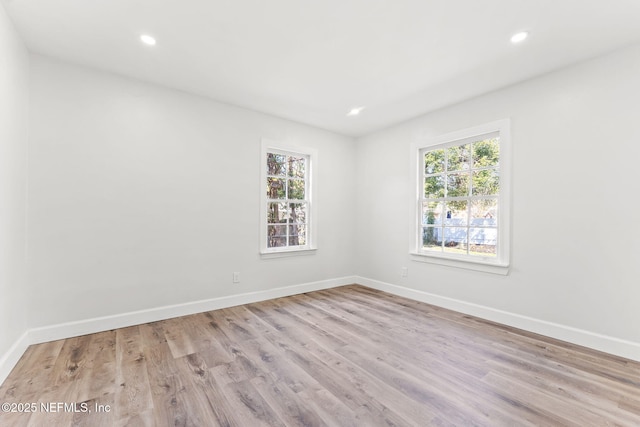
<point x="576" y="243"/>
<point x="142" y="197"/>
<point x="14" y="94"/>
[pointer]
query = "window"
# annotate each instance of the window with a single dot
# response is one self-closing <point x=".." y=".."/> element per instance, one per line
<point x="287" y="195"/>
<point x="463" y="209"/>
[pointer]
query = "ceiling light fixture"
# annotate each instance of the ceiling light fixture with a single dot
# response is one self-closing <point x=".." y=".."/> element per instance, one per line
<point x="147" y="39"/>
<point x="518" y="37"/>
<point x="355" y="111"/>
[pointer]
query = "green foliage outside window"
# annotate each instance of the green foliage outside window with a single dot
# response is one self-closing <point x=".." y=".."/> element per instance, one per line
<point x="461" y="186"/>
<point x="286" y="184"/>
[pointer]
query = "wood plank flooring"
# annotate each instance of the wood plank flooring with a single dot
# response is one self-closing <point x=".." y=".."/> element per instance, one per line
<point x="349" y="356"/>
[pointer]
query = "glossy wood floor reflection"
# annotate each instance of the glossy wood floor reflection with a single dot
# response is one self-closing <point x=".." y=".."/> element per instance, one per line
<point x="348" y="356"/>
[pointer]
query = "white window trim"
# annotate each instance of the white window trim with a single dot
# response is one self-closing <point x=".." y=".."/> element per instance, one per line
<point x="310" y="248"/>
<point x="499" y="265"/>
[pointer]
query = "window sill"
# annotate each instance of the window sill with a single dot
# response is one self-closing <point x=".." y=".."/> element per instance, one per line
<point x="486" y="267"/>
<point x="287" y="253"/>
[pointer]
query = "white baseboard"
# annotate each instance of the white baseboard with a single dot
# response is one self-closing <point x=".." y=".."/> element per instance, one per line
<point x="607" y="344"/>
<point x="11" y="357"/>
<point x="612" y="345"/>
<point x="99" y="324"/>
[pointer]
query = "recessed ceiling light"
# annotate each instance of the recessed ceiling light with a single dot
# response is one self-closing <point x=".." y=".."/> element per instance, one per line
<point x="147" y="39"/>
<point x="518" y="37"/>
<point x="355" y="111"/>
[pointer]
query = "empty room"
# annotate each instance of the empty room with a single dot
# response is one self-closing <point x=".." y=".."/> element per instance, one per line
<point x="319" y="213"/>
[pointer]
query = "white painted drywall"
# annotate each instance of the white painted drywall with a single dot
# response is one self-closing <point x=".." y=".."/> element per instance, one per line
<point x="14" y="95"/>
<point x="575" y="251"/>
<point x="137" y="198"/>
<point x="142" y="197"/>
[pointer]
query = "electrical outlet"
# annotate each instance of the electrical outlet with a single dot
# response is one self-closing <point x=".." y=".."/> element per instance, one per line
<point x="404" y="272"/>
<point x="236" y="277"/>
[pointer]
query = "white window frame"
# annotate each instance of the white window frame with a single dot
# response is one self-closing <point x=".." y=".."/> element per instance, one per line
<point x="498" y="264"/>
<point x="310" y="195"/>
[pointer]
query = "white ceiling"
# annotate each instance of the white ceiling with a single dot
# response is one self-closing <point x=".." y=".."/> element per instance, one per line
<point x="313" y="60"/>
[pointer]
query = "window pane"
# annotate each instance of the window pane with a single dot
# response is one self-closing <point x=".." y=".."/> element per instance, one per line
<point x="287" y="200"/>
<point x="434" y="187"/>
<point x="458" y="158"/>
<point x="296" y="189"/>
<point x="482" y="241"/>
<point x="276" y="236"/>
<point x="432" y="213"/>
<point x="455" y="240"/>
<point x="456" y="213"/>
<point x="434" y="162"/>
<point x="276" y="213"/>
<point x="486" y="182"/>
<point x="486" y="153"/>
<point x="296" y="167"/>
<point x="276" y="164"/>
<point x="297" y="235"/>
<point x="460" y="196"/>
<point x="432" y="238"/>
<point x="484" y="213"/>
<point x="275" y="188"/>
<point x="458" y="184"/>
<point x="298" y="212"/>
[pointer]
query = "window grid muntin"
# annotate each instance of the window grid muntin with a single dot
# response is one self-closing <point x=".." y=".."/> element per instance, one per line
<point x="287" y="201"/>
<point x="469" y="170"/>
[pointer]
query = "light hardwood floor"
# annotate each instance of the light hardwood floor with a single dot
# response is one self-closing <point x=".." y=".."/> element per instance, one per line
<point x="349" y="356"/>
